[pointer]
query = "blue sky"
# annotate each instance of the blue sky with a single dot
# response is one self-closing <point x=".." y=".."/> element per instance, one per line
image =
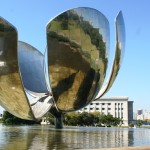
<point x="30" y="19"/>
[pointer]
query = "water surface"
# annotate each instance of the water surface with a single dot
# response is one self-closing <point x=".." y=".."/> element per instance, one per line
<point x="45" y="138"/>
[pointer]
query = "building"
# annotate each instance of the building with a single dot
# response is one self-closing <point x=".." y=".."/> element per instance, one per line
<point x="1" y="116"/>
<point x="139" y="112"/>
<point x="147" y="115"/>
<point x="116" y="106"/>
<point x="142" y="115"/>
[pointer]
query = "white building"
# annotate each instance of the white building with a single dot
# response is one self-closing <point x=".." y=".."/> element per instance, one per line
<point x="116" y="106"/>
<point x="147" y="115"/>
<point x="1" y="116"/>
<point x="142" y="115"/>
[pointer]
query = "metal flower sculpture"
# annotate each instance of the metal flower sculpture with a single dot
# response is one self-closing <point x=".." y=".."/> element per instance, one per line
<point x="24" y="91"/>
<point x="76" y="63"/>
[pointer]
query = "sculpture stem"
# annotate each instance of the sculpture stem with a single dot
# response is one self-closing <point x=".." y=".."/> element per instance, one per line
<point x="58" y="117"/>
<point x="59" y="121"/>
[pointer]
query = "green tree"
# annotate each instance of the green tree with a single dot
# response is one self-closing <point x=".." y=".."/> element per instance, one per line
<point x="109" y="120"/>
<point x="139" y="123"/>
<point x="117" y="121"/>
<point x="131" y="124"/>
<point x="106" y="120"/>
<point x="86" y="119"/>
<point x="71" y="119"/>
<point x="50" y="118"/>
<point x="11" y="119"/>
<point x="96" y="118"/>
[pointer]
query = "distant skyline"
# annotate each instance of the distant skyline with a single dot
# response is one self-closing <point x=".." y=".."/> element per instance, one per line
<point x="30" y="19"/>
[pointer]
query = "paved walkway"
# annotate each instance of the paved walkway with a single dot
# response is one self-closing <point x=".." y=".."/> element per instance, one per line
<point x="125" y="148"/>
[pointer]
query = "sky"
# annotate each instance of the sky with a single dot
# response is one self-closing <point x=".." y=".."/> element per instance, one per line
<point x="30" y="19"/>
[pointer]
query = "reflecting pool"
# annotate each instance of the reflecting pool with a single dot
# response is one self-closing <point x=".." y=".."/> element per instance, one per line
<point x="45" y="138"/>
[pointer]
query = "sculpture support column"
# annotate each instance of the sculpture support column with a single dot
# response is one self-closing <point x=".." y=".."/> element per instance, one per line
<point x="58" y="117"/>
<point x="59" y="121"/>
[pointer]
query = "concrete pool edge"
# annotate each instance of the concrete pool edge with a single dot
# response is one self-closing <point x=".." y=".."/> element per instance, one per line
<point x="124" y="148"/>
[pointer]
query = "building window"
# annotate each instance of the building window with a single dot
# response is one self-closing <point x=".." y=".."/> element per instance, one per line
<point x="109" y="108"/>
<point x="109" y="103"/>
<point x="97" y="108"/>
<point x="115" y="108"/>
<point x="91" y="108"/>
<point x="121" y="108"/>
<point x="115" y="103"/>
<point x="122" y="115"/>
<point x="97" y="103"/>
<point x="85" y="108"/>
<point x="118" y="103"/>
<point x="118" y="108"/>
<point x="91" y="104"/>
<point x="103" y="108"/>
<point x="103" y="103"/>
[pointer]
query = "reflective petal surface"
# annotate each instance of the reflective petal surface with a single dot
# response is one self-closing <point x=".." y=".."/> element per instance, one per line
<point x="12" y="96"/>
<point x="120" y="47"/>
<point x="78" y="42"/>
<point x="31" y="63"/>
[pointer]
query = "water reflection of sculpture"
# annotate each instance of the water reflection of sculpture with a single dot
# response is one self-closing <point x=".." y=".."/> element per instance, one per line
<point x="77" y="52"/>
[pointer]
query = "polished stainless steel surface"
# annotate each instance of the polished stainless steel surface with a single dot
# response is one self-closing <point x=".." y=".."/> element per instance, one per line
<point x="75" y="64"/>
<point x="120" y="46"/>
<point x="12" y="96"/>
<point x="78" y="42"/>
<point x="31" y="100"/>
<point x="31" y="63"/>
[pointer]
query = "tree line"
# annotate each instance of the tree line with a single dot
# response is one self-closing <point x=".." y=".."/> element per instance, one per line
<point x="89" y="119"/>
<point x="8" y="118"/>
<point x="75" y="119"/>
<point x="70" y="119"/>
